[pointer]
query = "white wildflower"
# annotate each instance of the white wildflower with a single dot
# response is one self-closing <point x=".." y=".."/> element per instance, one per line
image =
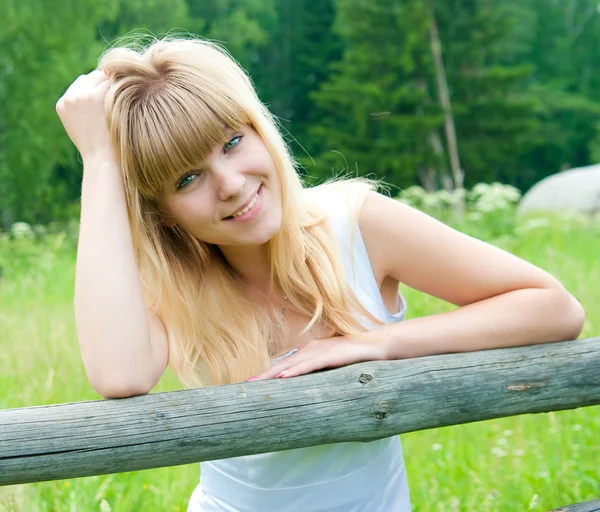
<point x="533" y="502"/>
<point x="499" y="452"/>
<point x="21" y="230"/>
<point x="105" y="506"/>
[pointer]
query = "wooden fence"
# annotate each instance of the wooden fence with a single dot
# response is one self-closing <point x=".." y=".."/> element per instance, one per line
<point x="361" y="402"/>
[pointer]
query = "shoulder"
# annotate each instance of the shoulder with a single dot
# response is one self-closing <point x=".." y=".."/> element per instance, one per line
<point x="340" y="204"/>
<point x="340" y="197"/>
<point x="430" y="256"/>
<point x="380" y="221"/>
<point x="400" y="239"/>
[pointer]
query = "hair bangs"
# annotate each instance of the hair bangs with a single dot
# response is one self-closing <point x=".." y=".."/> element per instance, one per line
<point x="176" y="129"/>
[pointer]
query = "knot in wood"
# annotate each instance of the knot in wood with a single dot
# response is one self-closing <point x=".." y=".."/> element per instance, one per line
<point x="365" y="378"/>
<point x="380" y="415"/>
<point x="525" y="386"/>
<point x="159" y="415"/>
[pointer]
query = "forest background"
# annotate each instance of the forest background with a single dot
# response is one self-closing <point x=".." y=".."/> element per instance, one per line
<point x="357" y="88"/>
<point x="353" y="82"/>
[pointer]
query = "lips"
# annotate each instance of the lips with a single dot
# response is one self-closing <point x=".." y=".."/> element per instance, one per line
<point x="248" y="205"/>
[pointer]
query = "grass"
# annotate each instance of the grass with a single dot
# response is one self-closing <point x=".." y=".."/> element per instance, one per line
<point x="533" y="462"/>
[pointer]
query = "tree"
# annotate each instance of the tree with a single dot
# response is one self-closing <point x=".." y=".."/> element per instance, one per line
<point x="495" y="118"/>
<point x="242" y="27"/>
<point x="561" y="40"/>
<point x="137" y="17"/>
<point x="46" y="44"/>
<point x="444" y="98"/>
<point x="373" y="110"/>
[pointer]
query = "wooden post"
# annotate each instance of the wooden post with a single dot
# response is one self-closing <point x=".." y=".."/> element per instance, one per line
<point x="588" y="506"/>
<point x="360" y="402"/>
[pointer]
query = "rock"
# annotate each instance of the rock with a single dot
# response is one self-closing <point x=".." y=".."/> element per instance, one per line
<point x="576" y="190"/>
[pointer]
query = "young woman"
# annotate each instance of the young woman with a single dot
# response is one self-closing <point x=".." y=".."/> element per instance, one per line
<point x="200" y="248"/>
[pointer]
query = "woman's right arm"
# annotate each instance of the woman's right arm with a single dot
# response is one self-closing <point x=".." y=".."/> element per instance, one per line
<point x="123" y="344"/>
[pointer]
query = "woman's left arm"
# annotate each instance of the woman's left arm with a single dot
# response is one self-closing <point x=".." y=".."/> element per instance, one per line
<point x="504" y="301"/>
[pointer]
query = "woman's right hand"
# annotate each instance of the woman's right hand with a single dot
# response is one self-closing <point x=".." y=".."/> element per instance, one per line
<point x="81" y="110"/>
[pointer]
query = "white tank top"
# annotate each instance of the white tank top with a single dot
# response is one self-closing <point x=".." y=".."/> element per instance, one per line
<point x="339" y="477"/>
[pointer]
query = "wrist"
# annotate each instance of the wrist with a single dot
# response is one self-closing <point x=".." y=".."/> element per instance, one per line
<point x="382" y="341"/>
<point x="99" y="157"/>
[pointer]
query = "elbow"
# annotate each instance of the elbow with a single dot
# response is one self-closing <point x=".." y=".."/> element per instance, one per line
<point x="116" y="391"/>
<point x="573" y="317"/>
<point x="107" y="386"/>
<point x="119" y="392"/>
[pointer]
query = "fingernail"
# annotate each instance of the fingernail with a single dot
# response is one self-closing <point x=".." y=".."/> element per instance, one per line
<point x="280" y="375"/>
<point x="252" y="378"/>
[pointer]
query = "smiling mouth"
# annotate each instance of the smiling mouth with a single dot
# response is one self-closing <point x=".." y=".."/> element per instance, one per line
<point x="247" y="208"/>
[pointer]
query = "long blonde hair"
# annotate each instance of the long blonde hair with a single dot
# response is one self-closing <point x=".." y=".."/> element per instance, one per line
<point x="166" y="109"/>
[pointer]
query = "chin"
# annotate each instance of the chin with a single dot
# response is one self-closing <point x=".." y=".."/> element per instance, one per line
<point x="266" y="231"/>
<point x="267" y="234"/>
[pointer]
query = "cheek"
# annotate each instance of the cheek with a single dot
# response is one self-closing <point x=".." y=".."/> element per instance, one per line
<point x="193" y="208"/>
<point x="276" y="186"/>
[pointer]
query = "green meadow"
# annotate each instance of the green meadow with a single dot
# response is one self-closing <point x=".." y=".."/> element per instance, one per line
<point x="533" y="462"/>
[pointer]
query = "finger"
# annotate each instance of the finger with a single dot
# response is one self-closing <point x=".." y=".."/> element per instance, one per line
<point x="296" y="358"/>
<point x="102" y="87"/>
<point x="273" y="371"/>
<point x="97" y="77"/>
<point x="74" y="85"/>
<point x="302" y="369"/>
<point x="83" y="82"/>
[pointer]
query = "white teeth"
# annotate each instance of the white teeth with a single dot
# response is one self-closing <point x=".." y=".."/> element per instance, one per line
<point x="249" y="207"/>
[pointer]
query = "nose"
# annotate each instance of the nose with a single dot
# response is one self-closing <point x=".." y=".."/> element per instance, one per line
<point x="230" y="182"/>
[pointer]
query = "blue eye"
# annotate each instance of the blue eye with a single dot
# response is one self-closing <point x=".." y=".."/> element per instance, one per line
<point x="185" y="181"/>
<point x="232" y="143"/>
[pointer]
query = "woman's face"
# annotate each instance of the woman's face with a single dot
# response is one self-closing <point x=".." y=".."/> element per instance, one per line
<point x="232" y="198"/>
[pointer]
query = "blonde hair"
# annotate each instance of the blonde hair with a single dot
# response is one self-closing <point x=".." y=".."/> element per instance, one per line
<point x="166" y="108"/>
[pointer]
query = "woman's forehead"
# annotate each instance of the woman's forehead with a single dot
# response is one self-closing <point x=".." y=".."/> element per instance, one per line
<point x="178" y="133"/>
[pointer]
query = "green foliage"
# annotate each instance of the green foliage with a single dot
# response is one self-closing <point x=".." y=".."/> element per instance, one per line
<point x="144" y="16"/>
<point x="46" y="44"/>
<point x="567" y="128"/>
<point x="491" y="208"/>
<point x="353" y="81"/>
<point x="560" y="39"/>
<point x="375" y="110"/>
<point x="242" y="27"/>
<point x="495" y="121"/>
<point x="295" y="63"/>
<point x="594" y="145"/>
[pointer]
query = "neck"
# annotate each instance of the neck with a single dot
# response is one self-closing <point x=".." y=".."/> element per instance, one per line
<point x="250" y="262"/>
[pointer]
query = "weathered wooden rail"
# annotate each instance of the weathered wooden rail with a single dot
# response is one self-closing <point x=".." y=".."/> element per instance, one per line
<point x="588" y="506"/>
<point x="361" y="402"/>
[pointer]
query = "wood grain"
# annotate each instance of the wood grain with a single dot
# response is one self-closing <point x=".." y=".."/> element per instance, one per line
<point x="361" y="402"/>
<point x="588" y="506"/>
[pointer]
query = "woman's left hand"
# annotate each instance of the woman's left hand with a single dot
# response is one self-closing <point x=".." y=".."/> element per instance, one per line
<point x="327" y="353"/>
